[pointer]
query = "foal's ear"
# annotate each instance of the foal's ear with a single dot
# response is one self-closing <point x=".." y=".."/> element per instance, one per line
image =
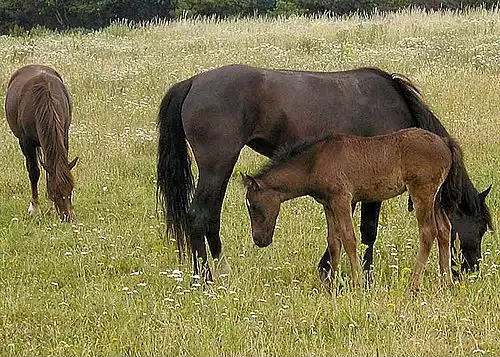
<point x="249" y="181"/>
<point x="483" y="194"/>
<point x="72" y="164"/>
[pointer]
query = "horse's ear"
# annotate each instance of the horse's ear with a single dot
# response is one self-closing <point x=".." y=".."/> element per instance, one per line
<point x="72" y="164"/>
<point x="249" y="181"/>
<point x="483" y="194"/>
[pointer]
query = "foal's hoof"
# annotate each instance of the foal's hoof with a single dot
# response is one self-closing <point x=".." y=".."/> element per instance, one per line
<point x="33" y="210"/>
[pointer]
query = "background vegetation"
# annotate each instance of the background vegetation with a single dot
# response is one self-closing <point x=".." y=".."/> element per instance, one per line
<point x="20" y="15"/>
<point x="111" y="284"/>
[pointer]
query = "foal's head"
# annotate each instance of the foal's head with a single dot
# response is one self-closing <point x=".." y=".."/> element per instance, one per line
<point x="263" y="207"/>
<point x="60" y="189"/>
<point x="470" y="228"/>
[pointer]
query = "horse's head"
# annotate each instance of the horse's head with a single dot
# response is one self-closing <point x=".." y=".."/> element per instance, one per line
<point x="60" y="190"/>
<point x="263" y="207"/>
<point x="470" y="229"/>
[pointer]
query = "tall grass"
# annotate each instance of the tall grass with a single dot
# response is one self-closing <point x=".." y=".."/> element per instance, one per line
<point x="111" y="283"/>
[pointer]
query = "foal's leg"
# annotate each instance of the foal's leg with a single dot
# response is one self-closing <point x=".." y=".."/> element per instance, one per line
<point x="370" y="213"/>
<point x="327" y="267"/>
<point x="423" y="200"/>
<point x="444" y="238"/>
<point x="343" y="228"/>
<point x="29" y="152"/>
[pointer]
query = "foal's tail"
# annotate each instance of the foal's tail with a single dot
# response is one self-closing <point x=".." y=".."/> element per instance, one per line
<point x="175" y="182"/>
<point x="454" y="192"/>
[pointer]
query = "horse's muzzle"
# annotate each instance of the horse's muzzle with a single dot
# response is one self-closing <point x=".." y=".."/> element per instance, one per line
<point x="260" y="240"/>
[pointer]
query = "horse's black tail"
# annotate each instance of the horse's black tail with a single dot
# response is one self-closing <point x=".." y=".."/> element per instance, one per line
<point x="175" y="182"/>
<point x="455" y="193"/>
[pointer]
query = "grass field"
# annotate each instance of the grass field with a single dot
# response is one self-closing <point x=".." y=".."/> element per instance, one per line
<point x="111" y="283"/>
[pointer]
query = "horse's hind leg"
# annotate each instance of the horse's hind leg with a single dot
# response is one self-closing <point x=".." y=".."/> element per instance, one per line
<point x="221" y="265"/>
<point x="205" y="211"/>
<point x="29" y="152"/>
<point x="444" y="241"/>
<point x="423" y="200"/>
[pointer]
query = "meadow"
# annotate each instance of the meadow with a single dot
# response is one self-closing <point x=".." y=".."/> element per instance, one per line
<point x="112" y="284"/>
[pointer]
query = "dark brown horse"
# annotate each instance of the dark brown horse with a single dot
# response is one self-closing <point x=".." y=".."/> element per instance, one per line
<point x="38" y="109"/>
<point x="222" y="110"/>
<point x="344" y="169"/>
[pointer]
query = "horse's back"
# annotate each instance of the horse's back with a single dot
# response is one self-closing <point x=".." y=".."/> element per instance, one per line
<point x="20" y="105"/>
<point x="267" y="108"/>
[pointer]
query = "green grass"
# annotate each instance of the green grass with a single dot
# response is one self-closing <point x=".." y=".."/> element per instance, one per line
<point x="111" y="283"/>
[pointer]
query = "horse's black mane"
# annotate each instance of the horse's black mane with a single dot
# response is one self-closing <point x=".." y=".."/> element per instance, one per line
<point x="290" y="151"/>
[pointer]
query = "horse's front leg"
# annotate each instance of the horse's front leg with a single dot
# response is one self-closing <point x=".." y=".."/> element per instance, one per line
<point x="370" y="213"/>
<point x="29" y="152"/>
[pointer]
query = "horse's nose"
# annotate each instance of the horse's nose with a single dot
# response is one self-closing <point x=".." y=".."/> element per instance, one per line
<point x="68" y="217"/>
<point x="260" y="241"/>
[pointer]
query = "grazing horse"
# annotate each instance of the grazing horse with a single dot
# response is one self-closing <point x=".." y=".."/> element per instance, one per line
<point x="340" y="170"/>
<point x="220" y="111"/>
<point x="38" y="109"/>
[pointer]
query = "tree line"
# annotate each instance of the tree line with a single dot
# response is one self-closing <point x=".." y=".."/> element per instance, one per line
<point x="21" y="15"/>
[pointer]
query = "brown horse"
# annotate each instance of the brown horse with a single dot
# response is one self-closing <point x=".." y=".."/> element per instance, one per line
<point x="38" y="109"/>
<point x="340" y="170"/>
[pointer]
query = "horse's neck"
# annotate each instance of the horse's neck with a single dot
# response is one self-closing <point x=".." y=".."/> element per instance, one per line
<point x="291" y="180"/>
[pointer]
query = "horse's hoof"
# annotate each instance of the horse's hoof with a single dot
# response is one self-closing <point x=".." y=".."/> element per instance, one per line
<point x="222" y="268"/>
<point x="325" y="275"/>
<point x="33" y="210"/>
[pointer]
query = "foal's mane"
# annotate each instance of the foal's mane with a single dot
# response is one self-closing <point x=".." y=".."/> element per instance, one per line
<point x="51" y="128"/>
<point x="290" y="151"/>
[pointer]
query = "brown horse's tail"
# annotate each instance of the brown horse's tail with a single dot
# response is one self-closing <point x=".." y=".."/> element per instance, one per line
<point x="455" y="193"/>
<point x="175" y="182"/>
<point x="47" y="94"/>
